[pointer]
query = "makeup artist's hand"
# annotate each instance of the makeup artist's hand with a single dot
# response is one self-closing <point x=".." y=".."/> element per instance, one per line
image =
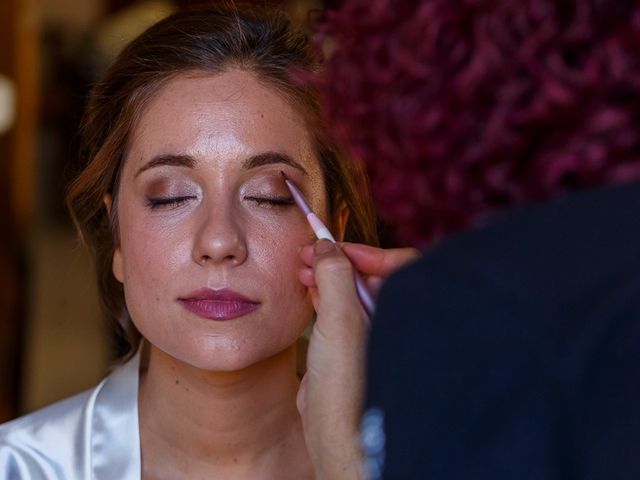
<point x="374" y="264"/>
<point x="330" y="399"/>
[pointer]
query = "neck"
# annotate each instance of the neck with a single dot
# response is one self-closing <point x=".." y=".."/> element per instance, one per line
<point x="244" y="422"/>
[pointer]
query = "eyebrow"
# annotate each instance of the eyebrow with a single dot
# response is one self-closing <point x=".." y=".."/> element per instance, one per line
<point x="168" y="160"/>
<point x="254" y="161"/>
<point x="269" y="158"/>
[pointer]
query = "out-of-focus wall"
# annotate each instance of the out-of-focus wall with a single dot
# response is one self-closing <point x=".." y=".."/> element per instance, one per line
<point x="12" y="283"/>
<point x="65" y="342"/>
<point x="71" y="15"/>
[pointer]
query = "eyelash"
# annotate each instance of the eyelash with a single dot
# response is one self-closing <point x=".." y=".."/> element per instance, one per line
<point x="273" y="201"/>
<point x="174" y="202"/>
<point x="169" y="202"/>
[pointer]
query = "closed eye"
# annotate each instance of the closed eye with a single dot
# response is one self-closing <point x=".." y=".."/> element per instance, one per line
<point x="168" y="202"/>
<point x="272" y="201"/>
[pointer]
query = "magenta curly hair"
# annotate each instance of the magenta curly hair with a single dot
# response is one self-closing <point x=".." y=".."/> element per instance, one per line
<point x="463" y="107"/>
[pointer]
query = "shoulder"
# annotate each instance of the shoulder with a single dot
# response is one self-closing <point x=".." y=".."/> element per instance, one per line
<point x="38" y="423"/>
<point x="91" y="435"/>
<point x="533" y="280"/>
<point x="548" y="251"/>
<point x="38" y="444"/>
<point x="599" y="223"/>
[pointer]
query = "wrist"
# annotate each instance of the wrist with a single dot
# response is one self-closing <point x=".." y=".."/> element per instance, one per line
<point x="333" y="468"/>
<point x="341" y="460"/>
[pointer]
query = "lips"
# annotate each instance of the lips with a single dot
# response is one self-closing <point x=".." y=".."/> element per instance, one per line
<point x="224" y="304"/>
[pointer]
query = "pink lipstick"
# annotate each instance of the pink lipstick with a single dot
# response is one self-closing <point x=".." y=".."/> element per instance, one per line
<point x="224" y="304"/>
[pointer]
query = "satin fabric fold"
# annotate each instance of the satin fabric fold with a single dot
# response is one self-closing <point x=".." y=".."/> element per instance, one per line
<point x="93" y="435"/>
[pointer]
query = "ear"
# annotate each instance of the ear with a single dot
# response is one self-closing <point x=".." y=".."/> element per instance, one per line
<point x="343" y="217"/>
<point x="117" y="266"/>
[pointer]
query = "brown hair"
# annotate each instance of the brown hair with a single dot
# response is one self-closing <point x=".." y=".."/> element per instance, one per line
<point x="210" y="40"/>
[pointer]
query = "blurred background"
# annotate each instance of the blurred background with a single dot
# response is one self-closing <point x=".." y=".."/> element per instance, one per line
<point x="54" y="340"/>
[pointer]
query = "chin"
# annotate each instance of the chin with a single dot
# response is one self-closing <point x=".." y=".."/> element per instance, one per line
<point x="231" y="356"/>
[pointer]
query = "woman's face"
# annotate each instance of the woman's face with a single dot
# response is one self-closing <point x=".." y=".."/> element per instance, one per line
<point x="208" y="232"/>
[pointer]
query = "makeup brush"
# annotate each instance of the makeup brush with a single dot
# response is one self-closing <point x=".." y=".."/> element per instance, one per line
<point x="321" y="232"/>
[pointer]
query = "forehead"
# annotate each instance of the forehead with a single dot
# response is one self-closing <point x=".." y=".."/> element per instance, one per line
<point x="226" y="115"/>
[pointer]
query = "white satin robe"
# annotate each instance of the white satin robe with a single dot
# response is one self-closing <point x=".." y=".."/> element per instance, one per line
<point x="93" y="435"/>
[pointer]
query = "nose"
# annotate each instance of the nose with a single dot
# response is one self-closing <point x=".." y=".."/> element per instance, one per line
<point x="220" y="238"/>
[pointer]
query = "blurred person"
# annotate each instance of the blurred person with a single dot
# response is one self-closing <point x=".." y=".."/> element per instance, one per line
<point x="504" y="136"/>
<point x="195" y="239"/>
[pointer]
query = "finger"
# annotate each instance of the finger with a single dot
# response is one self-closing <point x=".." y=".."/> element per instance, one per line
<point x="376" y="261"/>
<point x="307" y="277"/>
<point x="306" y="254"/>
<point x="370" y="260"/>
<point x="374" y="284"/>
<point x="334" y="277"/>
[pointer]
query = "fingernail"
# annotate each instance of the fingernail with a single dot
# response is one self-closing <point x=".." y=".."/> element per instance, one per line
<point x="323" y="246"/>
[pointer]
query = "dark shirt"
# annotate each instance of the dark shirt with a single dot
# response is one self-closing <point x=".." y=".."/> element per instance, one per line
<point x="513" y="351"/>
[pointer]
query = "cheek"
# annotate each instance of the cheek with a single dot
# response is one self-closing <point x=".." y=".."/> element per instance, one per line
<point x="275" y="249"/>
<point x="150" y="254"/>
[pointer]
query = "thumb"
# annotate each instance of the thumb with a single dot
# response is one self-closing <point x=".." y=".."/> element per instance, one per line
<point x="334" y="277"/>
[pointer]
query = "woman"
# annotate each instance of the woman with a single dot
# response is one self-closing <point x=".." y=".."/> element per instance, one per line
<point x="195" y="239"/>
